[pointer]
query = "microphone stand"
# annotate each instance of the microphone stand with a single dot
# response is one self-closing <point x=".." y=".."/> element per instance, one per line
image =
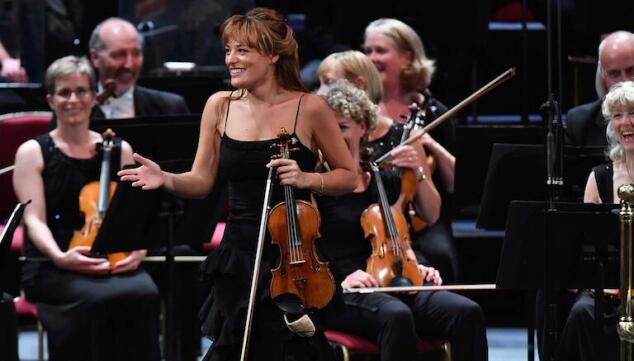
<point x="554" y="181"/>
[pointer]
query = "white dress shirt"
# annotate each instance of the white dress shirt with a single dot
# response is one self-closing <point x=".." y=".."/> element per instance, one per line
<point x="119" y="107"/>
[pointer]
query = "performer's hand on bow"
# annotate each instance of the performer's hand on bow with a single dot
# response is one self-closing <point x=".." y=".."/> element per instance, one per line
<point x="359" y="279"/>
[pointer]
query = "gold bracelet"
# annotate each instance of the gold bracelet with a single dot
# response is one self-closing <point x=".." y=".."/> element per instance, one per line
<point x="321" y="184"/>
<point x="421" y="174"/>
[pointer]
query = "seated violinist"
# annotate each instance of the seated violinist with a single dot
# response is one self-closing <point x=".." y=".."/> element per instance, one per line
<point x="91" y="310"/>
<point x="394" y="322"/>
<point x="578" y="333"/>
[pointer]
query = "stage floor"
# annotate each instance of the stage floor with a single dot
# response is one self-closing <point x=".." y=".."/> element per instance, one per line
<point x="505" y="344"/>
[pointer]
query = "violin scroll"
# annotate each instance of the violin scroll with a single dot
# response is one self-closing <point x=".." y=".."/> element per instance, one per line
<point x="109" y="88"/>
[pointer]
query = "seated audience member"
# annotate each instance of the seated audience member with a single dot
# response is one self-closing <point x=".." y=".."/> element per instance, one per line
<point x="585" y="124"/>
<point x="578" y="333"/>
<point x="116" y="53"/>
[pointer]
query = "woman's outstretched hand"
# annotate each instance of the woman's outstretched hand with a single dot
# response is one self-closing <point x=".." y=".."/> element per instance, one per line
<point x="147" y="176"/>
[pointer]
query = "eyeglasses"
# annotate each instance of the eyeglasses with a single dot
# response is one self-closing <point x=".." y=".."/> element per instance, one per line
<point x="79" y="93"/>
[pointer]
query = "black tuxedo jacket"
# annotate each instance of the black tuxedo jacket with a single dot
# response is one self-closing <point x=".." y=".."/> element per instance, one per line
<point x="585" y="125"/>
<point x="152" y="102"/>
<point x="147" y="102"/>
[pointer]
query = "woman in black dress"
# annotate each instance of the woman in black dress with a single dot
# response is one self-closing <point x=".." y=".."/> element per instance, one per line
<point x="406" y="74"/>
<point x="89" y="311"/>
<point x="578" y="330"/>
<point x="394" y="322"/>
<point x="237" y="138"/>
<point x="357" y="68"/>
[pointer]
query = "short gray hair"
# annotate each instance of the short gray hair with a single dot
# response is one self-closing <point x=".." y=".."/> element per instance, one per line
<point x="620" y="96"/>
<point x="599" y="82"/>
<point x="96" y="42"/>
<point x="351" y="102"/>
<point x="68" y="65"/>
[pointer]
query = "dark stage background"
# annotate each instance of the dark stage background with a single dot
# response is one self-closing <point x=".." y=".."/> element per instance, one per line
<point x="472" y="42"/>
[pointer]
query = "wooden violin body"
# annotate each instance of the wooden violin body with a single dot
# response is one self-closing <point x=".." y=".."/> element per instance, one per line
<point x="386" y="261"/>
<point x="386" y="228"/>
<point x="88" y="205"/>
<point x="409" y="180"/>
<point x="301" y="280"/>
<point x="300" y="272"/>
<point x="94" y="199"/>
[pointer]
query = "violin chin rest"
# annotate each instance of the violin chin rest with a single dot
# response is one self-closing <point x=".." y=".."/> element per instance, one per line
<point x="289" y="302"/>
<point x="400" y="281"/>
<point x="302" y="326"/>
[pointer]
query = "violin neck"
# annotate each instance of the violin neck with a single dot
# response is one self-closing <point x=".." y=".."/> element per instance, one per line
<point x="416" y="119"/>
<point x="291" y="216"/>
<point x="104" y="180"/>
<point x="384" y="204"/>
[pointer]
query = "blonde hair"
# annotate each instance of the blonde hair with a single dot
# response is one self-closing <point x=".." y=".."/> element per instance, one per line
<point x="351" y="102"/>
<point x="620" y="97"/>
<point x="265" y="30"/>
<point x="355" y="64"/>
<point x="420" y="71"/>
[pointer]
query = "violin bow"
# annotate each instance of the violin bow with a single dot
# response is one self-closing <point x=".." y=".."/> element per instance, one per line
<point x="256" y="267"/>
<point x="6" y="169"/>
<point x="476" y="287"/>
<point x="470" y="99"/>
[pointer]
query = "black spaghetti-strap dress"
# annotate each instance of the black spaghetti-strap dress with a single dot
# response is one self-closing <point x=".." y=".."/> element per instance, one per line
<point x="229" y="269"/>
<point x="86" y="317"/>
<point x="603" y="174"/>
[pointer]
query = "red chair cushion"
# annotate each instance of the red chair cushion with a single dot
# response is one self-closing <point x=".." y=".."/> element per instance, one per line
<point x="353" y="343"/>
<point x="360" y="345"/>
<point x="429" y="345"/>
<point x="25" y="308"/>
<point x="214" y="242"/>
<point x="17" y="243"/>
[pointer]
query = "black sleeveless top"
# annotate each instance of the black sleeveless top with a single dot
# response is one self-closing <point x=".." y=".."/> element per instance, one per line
<point x="244" y="165"/>
<point x="604" y="175"/>
<point x="229" y="267"/>
<point x="342" y="238"/>
<point x="64" y="178"/>
<point x="387" y="142"/>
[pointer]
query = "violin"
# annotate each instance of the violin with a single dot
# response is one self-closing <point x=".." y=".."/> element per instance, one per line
<point x="408" y="179"/>
<point x="301" y="280"/>
<point x="386" y="228"/>
<point x="109" y="88"/>
<point x="94" y="199"/>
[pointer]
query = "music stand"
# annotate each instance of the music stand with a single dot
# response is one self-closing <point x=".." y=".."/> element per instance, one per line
<point x="171" y="141"/>
<point x="516" y="172"/>
<point x="571" y="245"/>
<point x="7" y="236"/>
<point x="582" y="237"/>
<point x="128" y="221"/>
